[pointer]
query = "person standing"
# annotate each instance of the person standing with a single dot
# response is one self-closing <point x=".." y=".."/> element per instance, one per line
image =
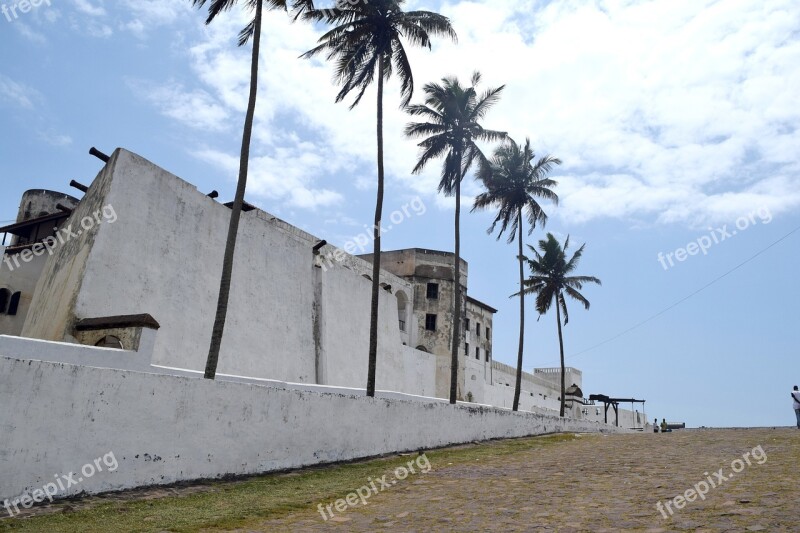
<point x="796" y="404"/>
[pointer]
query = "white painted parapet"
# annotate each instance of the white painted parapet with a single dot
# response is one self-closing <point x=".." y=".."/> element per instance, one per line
<point x="57" y="418"/>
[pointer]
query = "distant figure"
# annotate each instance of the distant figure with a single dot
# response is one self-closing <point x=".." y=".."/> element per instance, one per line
<point x="663" y="425"/>
<point x="796" y="404"/>
<point x="655" y="425"/>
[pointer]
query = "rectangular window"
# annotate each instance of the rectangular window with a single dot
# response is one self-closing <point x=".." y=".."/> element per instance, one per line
<point x="466" y="348"/>
<point x="402" y="325"/>
<point x="430" y="322"/>
<point x="488" y="333"/>
<point x="478" y="329"/>
<point x="488" y="355"/>
<point x="433" y="291"/>
<point x="478" y="353"/>
<point x="466" y="324"/>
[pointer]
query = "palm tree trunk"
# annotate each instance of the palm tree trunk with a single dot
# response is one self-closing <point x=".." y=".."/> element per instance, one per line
<point x="376" y="251"/>
<point x="236" y="210"/>
<point x="456" y="296"/>
<point x="561" y="346"/>
<point x="518" y="386"/>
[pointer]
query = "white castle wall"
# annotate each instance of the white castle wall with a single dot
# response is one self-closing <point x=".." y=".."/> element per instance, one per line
<point x="163" y="256"/>
<point x="163" y="429"/>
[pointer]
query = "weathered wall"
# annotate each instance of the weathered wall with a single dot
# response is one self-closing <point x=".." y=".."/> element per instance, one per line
<point x="21" y="279"/>
<point x="163" y="256"/>
<point x="162" y="429"/>
<point x="478" y="315"/>
<point x="51" y="314"/>
<point x="345" y="347"/>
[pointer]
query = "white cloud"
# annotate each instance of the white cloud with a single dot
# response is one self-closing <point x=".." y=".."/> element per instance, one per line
<point x="16" y="93"/>
<point x="29" y="33"/>
<point x="87" y="8"/>
<point x="671" y="110"/>
<point x="196" y="109"/>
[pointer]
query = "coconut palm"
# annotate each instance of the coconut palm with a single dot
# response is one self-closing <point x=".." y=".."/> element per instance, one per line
<point x="253" y="29"/>
<point x="367" y="42"/>
<point x="453" y="115"/>
<point x="550" y="280"/>
<point x="513" y="183"/>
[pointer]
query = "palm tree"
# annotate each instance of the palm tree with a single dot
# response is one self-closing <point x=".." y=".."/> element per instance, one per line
<point x="513" y="183"/>
<point x="253" y="29"/>
<point x="453" y="115"/>
<point x="367" y="40"/>
<point x="550" y="279"/>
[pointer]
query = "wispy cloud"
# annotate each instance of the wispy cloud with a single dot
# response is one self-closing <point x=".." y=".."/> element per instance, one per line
<point x="193" y="108"/>
<point x="16" y="93"/>
<point x="88" y="8"/>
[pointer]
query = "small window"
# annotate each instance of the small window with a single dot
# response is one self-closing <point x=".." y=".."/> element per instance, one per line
<point x="110" y="341"/>
<point x="466" y="348"/>
<point x="430" y="322"/>
<point x="402" y="325"/>
<point x="5" y="296"/>
<point x="433" y="291"/>
<point x="488" y="333"/>
<point x="478" y="353"/>
<point x="488" y="356"/>
<point x="13" y="305"/>
<point x="466" y="324"/>
<point x="478" y="329"/>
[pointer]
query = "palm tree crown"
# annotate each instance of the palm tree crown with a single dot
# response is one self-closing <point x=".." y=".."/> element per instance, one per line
<point x="514" y="183"/>
<point x="550" y="276"/>
<point x="453" y="115"/>
<point x="368" y="36"/>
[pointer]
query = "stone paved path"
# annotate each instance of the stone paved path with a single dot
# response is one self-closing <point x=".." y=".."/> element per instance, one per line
<point x="594" y="483"/>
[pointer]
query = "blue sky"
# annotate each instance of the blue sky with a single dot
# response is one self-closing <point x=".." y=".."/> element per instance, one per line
<point x="675" y="120"/>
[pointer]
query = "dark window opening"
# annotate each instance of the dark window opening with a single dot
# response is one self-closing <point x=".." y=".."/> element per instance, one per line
<point x="488" y="355"/>
<point x="433" y="291"/>
<point x="110" y="341"/>
<point x="488" y="333"/>
<point x="13" y="305"/>
<point x="478" y="329"/>
<point x="478" y="353"/>
<point x="5" y="296"/>
<point x="466" y="348"/>
<point x="466" y="324"/>
<point x="430" y="322"/>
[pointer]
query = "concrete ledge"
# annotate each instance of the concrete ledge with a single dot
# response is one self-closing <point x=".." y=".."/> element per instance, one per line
<point x="164" y="429"/>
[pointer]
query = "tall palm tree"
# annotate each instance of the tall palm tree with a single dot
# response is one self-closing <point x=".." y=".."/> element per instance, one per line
<point x="367" y="40"/>
<point x="453" y="115"/>
<point x="550" y="280"/>
<point x="513" y="183"/>
<point x="253" y="29"/>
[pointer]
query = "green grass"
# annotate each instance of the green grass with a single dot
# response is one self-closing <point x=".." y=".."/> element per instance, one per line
<point x="238" y="504"/>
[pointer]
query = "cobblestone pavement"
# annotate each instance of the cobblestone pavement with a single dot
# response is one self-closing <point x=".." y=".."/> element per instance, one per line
<point x="594" y="483"/>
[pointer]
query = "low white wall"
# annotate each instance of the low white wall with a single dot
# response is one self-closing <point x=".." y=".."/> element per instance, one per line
<point x="163" y="429"/>
<point x="79" y="354"/>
